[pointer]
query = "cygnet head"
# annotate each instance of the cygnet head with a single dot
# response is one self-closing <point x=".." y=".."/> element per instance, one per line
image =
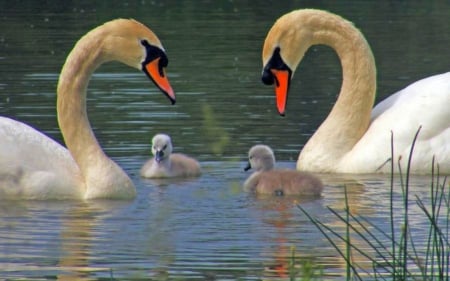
<point x="161" y="147"/>
<point x="260" y="158"/>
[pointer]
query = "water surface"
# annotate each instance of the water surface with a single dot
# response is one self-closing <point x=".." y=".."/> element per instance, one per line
<point x="205" y="228"/>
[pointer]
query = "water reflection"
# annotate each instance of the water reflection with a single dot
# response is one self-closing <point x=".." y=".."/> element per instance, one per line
<point x="281" y="216"/>
<point x="188" y="229"/>
<point x="76" y="243"/>
<point x="206" y="228"/>
<point x="55" y="238"/>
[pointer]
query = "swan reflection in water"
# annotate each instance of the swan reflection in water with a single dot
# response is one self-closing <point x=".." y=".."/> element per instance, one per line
<point x="56" y="238"/>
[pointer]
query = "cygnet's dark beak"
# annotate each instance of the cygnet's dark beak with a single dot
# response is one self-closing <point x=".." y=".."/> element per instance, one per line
<point x="159" y="155"/>
<point x="248" y="167"/>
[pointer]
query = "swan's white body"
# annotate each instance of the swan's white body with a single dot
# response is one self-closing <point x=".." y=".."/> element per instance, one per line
<point x="33" y="166"/>
<point x="355" y="137"/>
<point x="424" y="104"/>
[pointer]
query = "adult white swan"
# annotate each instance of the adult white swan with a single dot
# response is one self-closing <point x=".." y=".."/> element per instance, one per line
<point x="33" y="166"/>
<point x="355" y="138"/>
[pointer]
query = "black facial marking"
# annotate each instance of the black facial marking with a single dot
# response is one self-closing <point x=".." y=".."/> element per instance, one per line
<point x="152" y="54"/>
<point x="159" y="155"/>
<point x="275" y="62"/>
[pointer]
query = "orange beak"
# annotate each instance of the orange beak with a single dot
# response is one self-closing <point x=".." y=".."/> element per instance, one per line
<point x="160" y="78"/>
<point x="281" y="88"/>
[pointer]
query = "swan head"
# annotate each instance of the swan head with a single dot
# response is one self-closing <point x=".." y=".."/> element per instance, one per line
<point x="284" y="48"/>
<point x="261" y="158"/>
<point x="161" y="147"/>
<point x="132" y="43"/>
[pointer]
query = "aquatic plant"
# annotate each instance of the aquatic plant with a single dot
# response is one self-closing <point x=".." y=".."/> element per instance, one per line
<point x="215" y="135"/>
<point x="402" y="257"/>
<point x="303" y="269"/>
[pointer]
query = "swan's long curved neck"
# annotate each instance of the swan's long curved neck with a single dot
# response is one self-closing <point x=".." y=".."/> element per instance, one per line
<point x="71" y="104"/>
<point x="350" y="116"/>
<point x="85" y="57"/>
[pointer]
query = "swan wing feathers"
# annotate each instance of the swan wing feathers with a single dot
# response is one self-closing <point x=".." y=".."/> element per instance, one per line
<point x="424" y="104"/>
<point x="30" y="160"/>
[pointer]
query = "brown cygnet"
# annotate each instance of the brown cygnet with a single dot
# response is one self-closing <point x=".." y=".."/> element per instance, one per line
<point x="267" y="180"/>
<point x="166" y="164"/>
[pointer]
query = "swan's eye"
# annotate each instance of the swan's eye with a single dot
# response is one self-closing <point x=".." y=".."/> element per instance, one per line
<point x="164" y="148"/>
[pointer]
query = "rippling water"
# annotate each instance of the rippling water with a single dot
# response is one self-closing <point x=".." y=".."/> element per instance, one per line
<point x="205" y="228"/>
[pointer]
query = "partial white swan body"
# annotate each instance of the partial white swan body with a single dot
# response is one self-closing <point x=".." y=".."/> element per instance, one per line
<point x="33" y="166"/>
<point x="423" y="104"/>
<point x="166" y="164"/>
<point x="355" y="137"/>
<point x="270" y="181"/>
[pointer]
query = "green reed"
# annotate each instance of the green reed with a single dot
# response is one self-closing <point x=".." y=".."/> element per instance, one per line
<point x="400" y="258"/>
<point x="303" y="269"/>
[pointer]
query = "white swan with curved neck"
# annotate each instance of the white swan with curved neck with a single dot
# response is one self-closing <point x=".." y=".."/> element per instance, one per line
<point x="355" y="138"/>
<point x="33" y="166"/>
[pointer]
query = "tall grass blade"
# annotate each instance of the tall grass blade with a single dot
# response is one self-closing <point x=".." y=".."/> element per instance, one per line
<point x="403" y="258"/>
